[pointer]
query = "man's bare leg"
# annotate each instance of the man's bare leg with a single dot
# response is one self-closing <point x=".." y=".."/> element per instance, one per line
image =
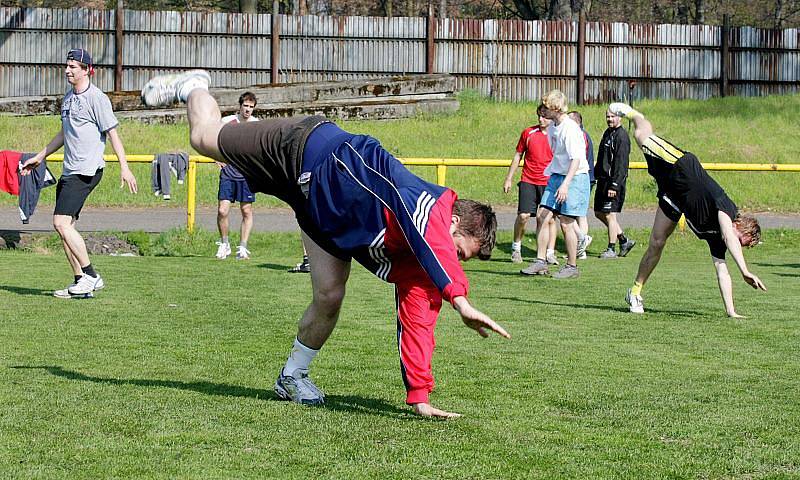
<point x="662" y="229"/>
<point x="570" y="238"/>
<point x="205" y="122"/>
<point x="72" y="241"/>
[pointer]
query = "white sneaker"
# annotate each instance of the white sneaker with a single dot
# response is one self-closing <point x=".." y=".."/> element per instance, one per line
<point x="582" y="246"/>
<point x="551" y="258"/>
<point x="166" y="89"/>
<point x="87" y="284"/>
<point x="635" y="303"/>
<point x="621" y="109"/>
<point x="242" y="253"/>
<point x="516" y="256"/>
<point x="223" y="251"/>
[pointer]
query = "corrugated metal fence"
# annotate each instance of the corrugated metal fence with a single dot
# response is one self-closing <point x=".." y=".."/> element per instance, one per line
<point x="505" y="59"/>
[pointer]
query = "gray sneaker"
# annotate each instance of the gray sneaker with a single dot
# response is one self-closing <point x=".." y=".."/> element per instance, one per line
<point x="551" y="259"/>
<point x="167" y="89"/>
<point x="298" y="388"/>
<point x="626" y="247"/>
<point x="516" y="256"/>
<point x="537" y="267"/>
<point x="567" y="271"/>
<point x="608" y="254"/>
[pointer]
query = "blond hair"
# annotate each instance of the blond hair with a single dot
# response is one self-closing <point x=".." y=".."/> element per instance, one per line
<point x="555" y="101"/>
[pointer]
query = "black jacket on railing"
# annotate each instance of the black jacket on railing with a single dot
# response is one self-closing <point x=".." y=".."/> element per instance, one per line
<point x="612" y="158"/>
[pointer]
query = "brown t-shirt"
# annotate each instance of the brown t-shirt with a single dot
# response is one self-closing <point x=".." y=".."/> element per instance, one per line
<point x="269" y="153"/>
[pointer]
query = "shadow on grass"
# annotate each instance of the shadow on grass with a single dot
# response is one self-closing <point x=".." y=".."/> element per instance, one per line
<point x="790" y="275"/>
<point x="342" y="403"/>
<point x="787" y="265"/>
<point x="26" y="290"/>
<point x="586" y="306"/>
<point x="273" y="266"/>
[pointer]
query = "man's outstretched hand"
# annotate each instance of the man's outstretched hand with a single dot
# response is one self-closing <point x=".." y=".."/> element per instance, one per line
<point x="428" y="410"/>
<point x="754" y="281"/>
<point x="477" y="320"/>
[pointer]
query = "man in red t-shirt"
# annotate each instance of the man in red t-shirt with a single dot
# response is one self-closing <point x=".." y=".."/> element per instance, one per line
<point x="534" y="145"/>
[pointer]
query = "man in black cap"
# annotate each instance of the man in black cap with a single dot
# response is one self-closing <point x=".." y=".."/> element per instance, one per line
<point x="86" y="121"/>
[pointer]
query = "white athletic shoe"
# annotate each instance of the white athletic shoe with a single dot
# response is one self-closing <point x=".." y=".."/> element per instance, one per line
<point x="298" y="388"/>
<point x="87" y="284"/>
<point x="516" y="256"/>
<point x="242" y="253"/>
<point x="635" y="303"/>
<point x="582" y="246"/>
<point x="223" y="251"/>
<point x="167" y="89"/>
<point x="621" y="109"/>
<point x="551" y="258"/>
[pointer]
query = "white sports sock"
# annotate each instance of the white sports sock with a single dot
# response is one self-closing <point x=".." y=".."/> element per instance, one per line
<point x="300" y="358"/>
<point x="516" y="246"/>
<point x="550" y="251"/>
<point x="186" y="88"/>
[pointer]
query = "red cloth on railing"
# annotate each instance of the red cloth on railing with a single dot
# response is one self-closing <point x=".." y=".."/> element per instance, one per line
<point x="9" y="171"/>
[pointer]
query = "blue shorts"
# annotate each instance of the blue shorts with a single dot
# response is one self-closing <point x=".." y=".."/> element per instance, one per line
<point x="577" y="196"/>
<point x="235" y="191"/>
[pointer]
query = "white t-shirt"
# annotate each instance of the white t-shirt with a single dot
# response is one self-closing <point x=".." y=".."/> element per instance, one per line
<point x="235" y="116"/>
<point x="567" y="143"/>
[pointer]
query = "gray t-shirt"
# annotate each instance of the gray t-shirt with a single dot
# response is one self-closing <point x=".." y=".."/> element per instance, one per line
<point x="85" y="119"/>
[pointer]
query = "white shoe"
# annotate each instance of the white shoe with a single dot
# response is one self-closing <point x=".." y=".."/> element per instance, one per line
<point x="635" y="303"/>
<point x="551" y="258"/>
<point x="621" y="109"/>
<point x="167" y="89"/>
<point x="242" y="253"/>
<point x="516" y="256"/>
<point x="87" y="284"/>
<point x="582" y="246"/>
<point x="223" y="251"/>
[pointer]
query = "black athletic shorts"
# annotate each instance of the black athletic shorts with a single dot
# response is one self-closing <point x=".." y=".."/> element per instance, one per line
<point x="668" y="207"/>
<point x="72" y="191"/>
<point x="604" y="203"/>
<point x="530" y="196"/>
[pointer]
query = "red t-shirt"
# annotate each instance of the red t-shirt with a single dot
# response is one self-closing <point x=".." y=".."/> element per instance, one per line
<point x="533" y="142"/>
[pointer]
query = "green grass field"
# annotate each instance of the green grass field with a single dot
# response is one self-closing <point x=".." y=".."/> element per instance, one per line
<point x="168" y="373"/>
<point x="733" y="129"/>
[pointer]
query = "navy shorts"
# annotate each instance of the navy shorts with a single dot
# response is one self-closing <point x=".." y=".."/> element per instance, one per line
<point x="72" y="191"/>
<point x="235" y="191"/>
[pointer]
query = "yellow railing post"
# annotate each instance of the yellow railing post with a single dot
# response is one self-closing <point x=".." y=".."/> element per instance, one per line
<point x="191" y="200"/>
<point x="441" y="174"/>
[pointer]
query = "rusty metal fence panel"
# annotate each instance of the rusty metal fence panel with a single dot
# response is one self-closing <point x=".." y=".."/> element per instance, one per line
<point x="505" y="59"/>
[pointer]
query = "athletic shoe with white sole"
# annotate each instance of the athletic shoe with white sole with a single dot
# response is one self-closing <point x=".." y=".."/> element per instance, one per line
<point x="551" y="258"/>
<point x="626" y="247"/>
<point x="298" y="388"/>
<point x="223" y="250"/>
<point x="621" y="109"/>
<point x="567" y="271"/>
<point x="242" y="253"/>
<point x="87" y="284"/>
<point x="64" y="293"/>
<point x="635" y="303"/>
<point x="516" y="256"/>
<point x="610" y="253"/>
<point x="167" y="89"/>
<point x="537" y="267"/>
<point x="302" y="267"/>
<point x="583" y="245"/>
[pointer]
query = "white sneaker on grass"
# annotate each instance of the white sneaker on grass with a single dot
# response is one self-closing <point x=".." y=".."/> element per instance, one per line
<point x="551" y="258"/>
<point x="87" y="284"/>
<point x="635" y="303"/>
<point x="516" y="256"/>
<point x="583" y="245"/>
<point x="298" y="388"/>
<point x="167" y="89"/>
<point x="242" y="253"/>
<point x="223" y="251"/>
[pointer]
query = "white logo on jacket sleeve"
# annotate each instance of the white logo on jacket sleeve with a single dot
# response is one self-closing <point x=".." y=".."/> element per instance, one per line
<point x="422" y="211"/>
<point x="377" y="251"/>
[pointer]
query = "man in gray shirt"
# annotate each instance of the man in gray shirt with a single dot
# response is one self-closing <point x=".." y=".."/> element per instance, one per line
<point x="86" y="121"/>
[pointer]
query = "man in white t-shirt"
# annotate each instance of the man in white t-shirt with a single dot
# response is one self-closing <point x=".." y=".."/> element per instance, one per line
<point x="567" y="191"/>
<point x="234" y="188"/>
<point x="87" y="120"/>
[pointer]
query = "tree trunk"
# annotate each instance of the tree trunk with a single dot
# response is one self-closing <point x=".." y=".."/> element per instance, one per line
<point x="700" y="12"/>
<point x="387" y="8"/>
<point x="561" y="10"/>
<point x="778" y="17"/>
<point x="248" y="6"/>
<point x="442" y="8"/>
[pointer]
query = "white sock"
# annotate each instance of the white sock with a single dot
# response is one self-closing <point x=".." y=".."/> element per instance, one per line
<point x="300" y="358"/>
<point x="550" y="251"/>
<point x="224" y="240"/>
<point x="186" y="87"/>
<point x="580" y="235"/>
<point x="516" y="246"/>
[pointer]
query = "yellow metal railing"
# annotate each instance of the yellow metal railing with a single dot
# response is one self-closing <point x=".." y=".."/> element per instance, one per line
<point x="441" y="165"/>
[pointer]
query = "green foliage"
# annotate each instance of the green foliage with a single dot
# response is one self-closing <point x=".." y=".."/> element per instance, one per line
<point x="168" y="372"/>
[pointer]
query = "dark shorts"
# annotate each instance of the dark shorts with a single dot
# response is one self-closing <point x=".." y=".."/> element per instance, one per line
<point x="668" y="207"/>
<point x="72" y="191"/>
<point x="604" y="203"/>
<point x="530" y="196"/>
<point x="235" y="191"/>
